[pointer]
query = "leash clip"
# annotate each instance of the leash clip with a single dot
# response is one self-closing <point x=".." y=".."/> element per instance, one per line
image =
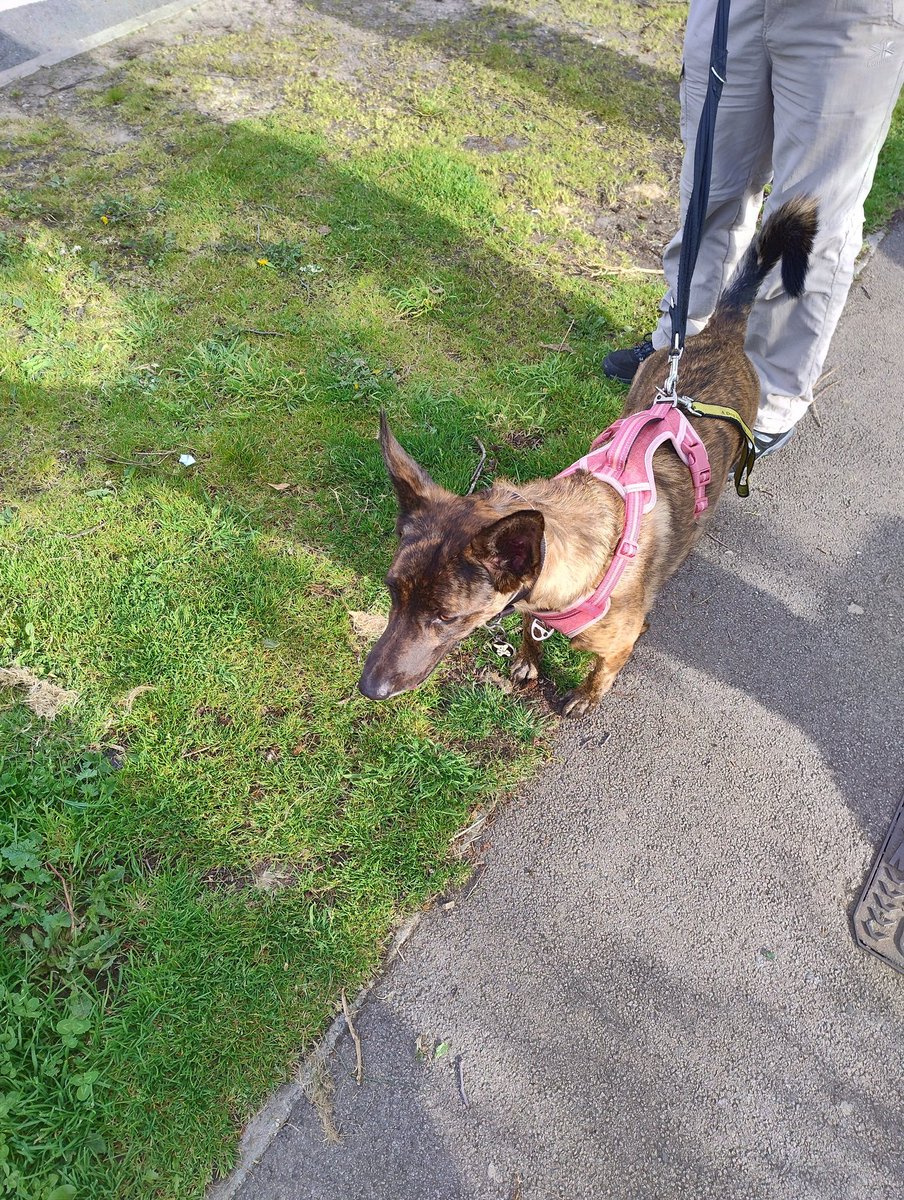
<point x="668" y="388"/>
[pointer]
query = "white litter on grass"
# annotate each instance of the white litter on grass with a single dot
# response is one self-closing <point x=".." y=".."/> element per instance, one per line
<point x="187" y="460"/>
<point x="367" y="626"/>
<point x="44" y="699"/>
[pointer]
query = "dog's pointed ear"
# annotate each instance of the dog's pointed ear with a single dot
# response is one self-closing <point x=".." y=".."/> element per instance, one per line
<point x="511" y="549"/>
<point x="413" y="486"/>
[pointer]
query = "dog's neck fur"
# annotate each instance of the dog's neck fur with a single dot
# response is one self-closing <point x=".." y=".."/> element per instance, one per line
<point x="583" y="522"/>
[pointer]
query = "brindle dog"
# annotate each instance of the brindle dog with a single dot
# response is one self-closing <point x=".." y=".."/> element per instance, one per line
<point x="463" y="559"/>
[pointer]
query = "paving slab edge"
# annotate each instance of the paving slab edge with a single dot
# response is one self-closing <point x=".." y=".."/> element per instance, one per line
<point x="263" y="1128"/>
<point x="82" y="45"/>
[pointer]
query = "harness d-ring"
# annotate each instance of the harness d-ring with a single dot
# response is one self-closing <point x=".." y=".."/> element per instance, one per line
<point x="540" y="632"/>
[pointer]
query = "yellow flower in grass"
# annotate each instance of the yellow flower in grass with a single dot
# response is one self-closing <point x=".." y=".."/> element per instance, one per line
<point x="264" y="262"/>
<point x="105" y="220"/>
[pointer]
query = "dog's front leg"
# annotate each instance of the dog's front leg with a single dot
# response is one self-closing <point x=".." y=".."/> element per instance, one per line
<point x="612" y="641"/>
<point x="526" y="663"/>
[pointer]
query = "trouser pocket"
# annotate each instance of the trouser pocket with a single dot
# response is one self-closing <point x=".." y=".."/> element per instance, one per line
<point x="879" y="12"/>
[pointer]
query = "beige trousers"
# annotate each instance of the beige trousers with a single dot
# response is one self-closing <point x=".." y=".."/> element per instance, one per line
<point x="810" y="92"/>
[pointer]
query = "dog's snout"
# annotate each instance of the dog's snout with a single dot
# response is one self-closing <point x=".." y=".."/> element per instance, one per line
<point x="374" y="688"/>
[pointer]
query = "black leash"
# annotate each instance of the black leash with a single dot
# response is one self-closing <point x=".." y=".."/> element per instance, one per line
<point x="699" y="201"/>
<point x="690" y="245"/>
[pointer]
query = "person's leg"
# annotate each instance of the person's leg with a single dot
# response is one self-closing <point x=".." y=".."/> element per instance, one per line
<point x="837" y="71"/>
<point x="741" y="154"/>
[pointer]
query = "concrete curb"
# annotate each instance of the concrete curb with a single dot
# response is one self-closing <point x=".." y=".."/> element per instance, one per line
<point x="264" y="1127"/>
<point x="83" y="45"/>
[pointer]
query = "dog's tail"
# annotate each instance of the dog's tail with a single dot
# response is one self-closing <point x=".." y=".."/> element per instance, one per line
<point x="787" y="235"/>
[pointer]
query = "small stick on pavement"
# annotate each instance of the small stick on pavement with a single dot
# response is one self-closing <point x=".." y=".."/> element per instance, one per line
<point x="516" y="1193"/>
<point x="815" y="414"/>
<point x="359" y="1060"/>
<point x="460" y="1080"/>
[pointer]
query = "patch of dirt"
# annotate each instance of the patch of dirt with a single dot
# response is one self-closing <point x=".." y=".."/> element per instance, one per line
<point x="115" y="754"/>
<point x="518" y="439"/>
<point x="45" y="699"/>
<point x="493" y="677"/>
<point x="228" y="100"/>
<point x="486" y="145"/>
<point x="274" y="713"/>
<point x="75" y="460"/>
<point x="217" y="714"/>
<point x="265" y="876"/>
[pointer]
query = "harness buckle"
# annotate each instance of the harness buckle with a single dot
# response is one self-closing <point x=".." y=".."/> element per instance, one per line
<point x="627" y="549"/>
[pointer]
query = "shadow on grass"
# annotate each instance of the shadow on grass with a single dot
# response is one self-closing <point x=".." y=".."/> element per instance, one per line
<point x="474" y="367"/>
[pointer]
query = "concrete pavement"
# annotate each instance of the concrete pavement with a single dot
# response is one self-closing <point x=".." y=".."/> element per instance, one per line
<point x="652" y="991"/>
<point x="49" y="31"/>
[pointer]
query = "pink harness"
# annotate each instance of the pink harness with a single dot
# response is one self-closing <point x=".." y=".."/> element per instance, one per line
<point x="622" y="456"/>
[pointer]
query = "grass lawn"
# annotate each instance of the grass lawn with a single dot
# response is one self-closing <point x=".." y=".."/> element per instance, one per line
<point x="239" y="249"/>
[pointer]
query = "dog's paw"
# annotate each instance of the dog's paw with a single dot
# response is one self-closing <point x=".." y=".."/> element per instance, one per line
<point x="523" y="670"/>
<point x="578" y="703"/>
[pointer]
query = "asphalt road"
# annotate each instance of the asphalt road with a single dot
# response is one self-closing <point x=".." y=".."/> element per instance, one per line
<point x="652" y="990"/>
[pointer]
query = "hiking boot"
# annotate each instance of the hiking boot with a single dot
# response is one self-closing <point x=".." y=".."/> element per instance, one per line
<point x="621" y="365"/>
<point x="766" y="443"/>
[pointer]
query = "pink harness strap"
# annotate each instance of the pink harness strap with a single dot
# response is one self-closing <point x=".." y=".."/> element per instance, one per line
<point x="622" y="456"/>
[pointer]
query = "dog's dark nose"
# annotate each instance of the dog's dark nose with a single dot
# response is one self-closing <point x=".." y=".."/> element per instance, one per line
<point x="374" y="688"/>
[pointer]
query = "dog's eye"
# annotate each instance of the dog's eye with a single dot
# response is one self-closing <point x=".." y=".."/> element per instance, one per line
<point x="442" y="619"/>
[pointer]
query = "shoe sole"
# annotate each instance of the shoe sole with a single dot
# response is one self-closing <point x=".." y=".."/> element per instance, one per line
<point x="877" y="916"/>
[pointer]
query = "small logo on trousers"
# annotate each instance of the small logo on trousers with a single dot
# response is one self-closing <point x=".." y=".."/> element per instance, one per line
<point x="881" y="52"/>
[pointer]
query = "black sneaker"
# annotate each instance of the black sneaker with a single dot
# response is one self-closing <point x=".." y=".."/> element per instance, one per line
<point x="621" y="365"/>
